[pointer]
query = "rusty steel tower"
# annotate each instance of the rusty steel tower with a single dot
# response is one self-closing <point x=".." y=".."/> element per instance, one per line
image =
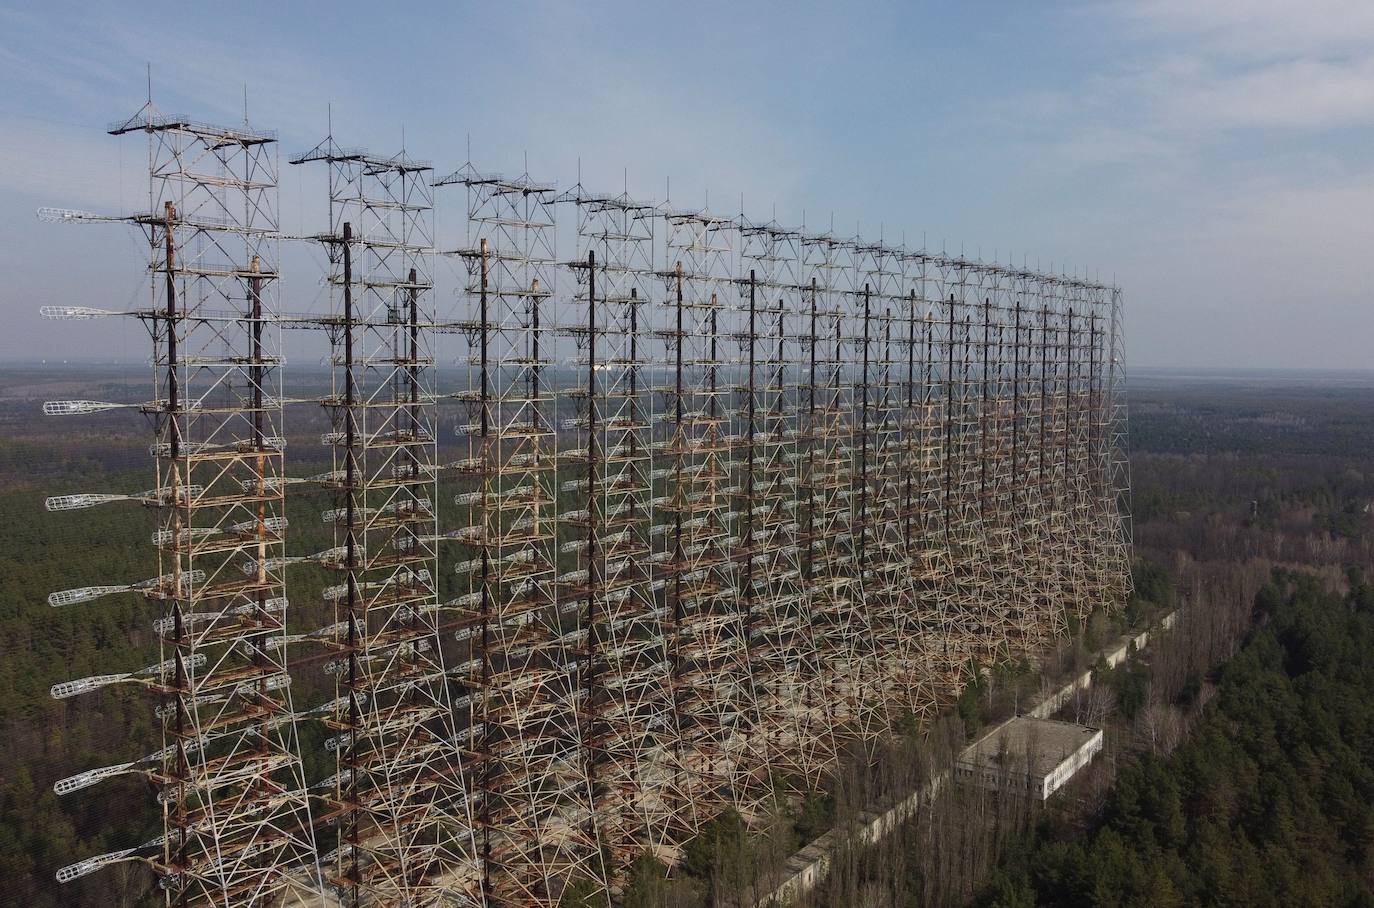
<point x="529" y="676"/>
<point x="236" y="821"/>
<point x="398" y="805"/>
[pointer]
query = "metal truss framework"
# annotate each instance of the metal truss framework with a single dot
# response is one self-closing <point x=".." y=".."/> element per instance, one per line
<point x="529" y="674"/>
<point x="735" y="499"/>
<point x="237" y="827"/>
<point x="399" y="801"/>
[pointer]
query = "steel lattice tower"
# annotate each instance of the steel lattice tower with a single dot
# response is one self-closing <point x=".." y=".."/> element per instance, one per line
<point x="844" y="627"/>
<point x="399" y="800"/>
<point x="236" y="820"/>
<point x="798" y="737"/>
<point x="888" y="580"/>
<point x="714" y="694"/>
<point x="630" y="725"/>
<point x="527" y="679"/>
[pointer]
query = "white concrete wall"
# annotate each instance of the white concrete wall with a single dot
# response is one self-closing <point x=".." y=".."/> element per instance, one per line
<point x="873" y="827"/>
<point x="1061" y="774"/>
<point x="1115" y="655"/>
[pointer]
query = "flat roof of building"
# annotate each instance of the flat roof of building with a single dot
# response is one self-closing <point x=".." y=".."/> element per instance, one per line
<point x="1032" y="746"/>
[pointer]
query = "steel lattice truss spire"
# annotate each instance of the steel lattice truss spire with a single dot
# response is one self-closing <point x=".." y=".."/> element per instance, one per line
<point x="237" y="827"/>
<point x="527" y="679"/>
<point x="399" y="798"/>
<point x="631" y="727"/>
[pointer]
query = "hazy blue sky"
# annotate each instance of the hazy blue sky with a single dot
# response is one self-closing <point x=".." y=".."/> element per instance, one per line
<point x="1214" y="157"/>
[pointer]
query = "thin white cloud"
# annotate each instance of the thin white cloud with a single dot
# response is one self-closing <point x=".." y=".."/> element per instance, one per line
<point x="67" y="166"/>
<point x="1290" y="95"/>
<point x="1200" y="68"/>
<point x="1220" y="144"/>
<point x="1257" y="29"/>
